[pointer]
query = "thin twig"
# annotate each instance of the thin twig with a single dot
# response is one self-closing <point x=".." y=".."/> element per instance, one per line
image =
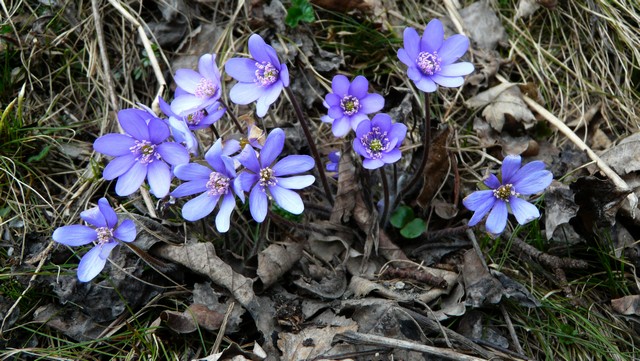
<point x="106" y="66"/>
<point x="512" y="331"/>
<point x="385" y="189"/>
<point x="222" y="329"/>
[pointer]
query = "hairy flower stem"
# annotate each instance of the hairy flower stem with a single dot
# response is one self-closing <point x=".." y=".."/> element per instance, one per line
<point x="312" y="145"/>
<point x="233" y="117"/>
<point x="385" y="189"/>
<point x="426" y="144"/>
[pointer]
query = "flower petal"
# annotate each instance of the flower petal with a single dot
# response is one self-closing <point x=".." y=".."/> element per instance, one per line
<point x="74" y="235"/>
<point x="356" y="119"/>
<point x="159" y="178"/>
<point x="492" y="181"/>
<point x="245" y="181"/>
<point x="532" y="183"/>
<point x="524" y="211"/>
<point x="94" y="217"/>
<point x="199" y="207"/>
<point x="453" y="48"/>
<point x="372" y="163"/>
<point x="405" y="59"/>
<point x="497" y="219"/>
<point x="426" y="85"/>
<point x="158" y="131"/>
<point x="287" y="199"/>
<point x="190" y="188"/>
<point x="192" y="171"/>
<point x="293" y="164"/>
<point x="109" y="214"/>
<point x="187" y="79"/>
<point x="359" y="87"/>
<point x="166" y="108"/>
<point x="481" y="205"/>
<point x="391" y="156"/>
<point x="268" y="97"/>
<point x="415" y="74"/>
<point x="133" y="122"/>
<point x="371" y="103"/>
<point x="272" y="147"/>
<point x="245" y="93"/>
<point x="258" y="48"/>
<point x="340" y="86"/>
<point x="119" y="166"/>
<point x="284" y="75"/>
<point x="526" y="170"/>
<point x="126" y="231"/>
<point x="223" y="218"/>
<point x="258" y="204"/>
<point x="241" y="69"/>
<point x="478" y="199"/>
<point x="131" y="180"/>
<point x="456" y="69"/>
<point x="341" y="127"/>
<point x="173" y="153"/>
<point x="449" y="82"/>
<point x="207" y="67"/>
<point x="92" y="262"/>
<point x="382" y="121"/>
<point x="249" y="159"/>
<point x="186" y="103"/>
<point x="296" y="182"/>
<point x="510" y="165"/>
<point x="335" y="112"/>
<point x="115" y="145"/>
<point x="397" y="134"/>
<point x="411" y="41"/>
<point x="432" y="37"/>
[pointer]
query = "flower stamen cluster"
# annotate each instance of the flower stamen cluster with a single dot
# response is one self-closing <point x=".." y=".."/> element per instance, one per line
<point x="194" y="118"/>
<point x="205" y="89"/>
<point x="350" y="104"/>
<point x="266" y="73"/>
<point x="375" y="142"/>
<point x="504" y="192"/>
<point x="429" y="63"/>
<point x="105" y="234"/>
<point x="218" y="184"/>
<point x="145" y="151"/>
<point x="267" y="178"/>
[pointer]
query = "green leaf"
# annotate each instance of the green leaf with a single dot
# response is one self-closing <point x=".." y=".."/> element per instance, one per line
<point x="300" y="10"/>
<point x="401" y="216"/>
<point x="294" y="14"/>
<point x="38" y="157"/>
<point x="414" y="228"/>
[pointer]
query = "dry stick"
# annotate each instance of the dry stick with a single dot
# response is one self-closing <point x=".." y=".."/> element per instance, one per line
<point x="564" y="129"/>
<point x="357" y="337"/>
<point x="222" y="329"/>
<point x="233" y="117"/>
<point x="312" y="144"/>
<point x="512" y="331"/>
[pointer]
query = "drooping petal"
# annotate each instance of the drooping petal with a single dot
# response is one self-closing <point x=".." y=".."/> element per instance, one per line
<point x="159" y="178"/>
<point x="411" y="41"/>
<point x="446" y="81"/>
<point x="223" y="218"/>
<point x="371" y="103"/>
<point x="173" y="153"/>
<point x="131" y="180"/>
<point x="482" y="207"/>
<point x="524" y="211"/>
<point x="453" y="48"/>
<point x="359" y="87"/>
<point x="245" y="93"/>
<point x="258" y="204"/>
<point x="108" y="213"/>
<point x="341" y="127"/>
<point x="257" y="48"/>
<point x="284" y="75"/>
<point x="532" y="183"/>
<point x="187" y="79"/>
<point x="269" y="97"/>
<point x="272" y="147"/>
<point x="492" y="181"/>
<point x="510" y="165"/>
<point x="456" y="69"/>
<point x="432" y="37"/>
<point x="497" y="219"/>
<point x="287" y="199"/>
<point x="296" y="182"/>
<point x="126" y="231"/>
<point x="74" y="235"/>
<point x="199" y="207"/>
<point x="293" y="164"/>
<point x="426" y="85"/>
<point x="133" y="122"/>
<point x="478" y="199"/>
<point x="114" y="145"/>
<point x="372" y="163"/>
<point x="91" y="264"/>
<point x="241" y="69"/>
<point x="340" y="85"/>
<point x="119" y="166"/>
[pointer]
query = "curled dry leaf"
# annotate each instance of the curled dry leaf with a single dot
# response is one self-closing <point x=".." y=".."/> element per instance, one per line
<point x="484" y="26"/>
<point x="437" y="167"/>
<point x="481" y="287"/>
<point x="624" y="157"/>
<point x="313" y="343"/>
<point x="70" y="321"/>
<point x="627" y="305"/>
<point x="560" y="207"/>
<point x="189" y="320"/>
<point x="526" y="8"/>
<point x="500" y="101"/>
<point x="275" y="261"/>
<point x="324" y="283"/>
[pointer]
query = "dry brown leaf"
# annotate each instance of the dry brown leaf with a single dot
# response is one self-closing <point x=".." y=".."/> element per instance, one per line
<point x="324" y="283"/>
<point x="195" y="315"/>
<point x="627" y="305"/>
<point x="437" y="167"/>
<point x="484" y="26"/>
<point x="348" y="187"/>
<point x="560" y="207"/>
<point x="313" y="342"/>
<point x="481" y="287"/>
<point x="526" y="8"/>
<point x="275" y="261"/>
<point x="624" y="158"/>
<point x="502" y="100"/>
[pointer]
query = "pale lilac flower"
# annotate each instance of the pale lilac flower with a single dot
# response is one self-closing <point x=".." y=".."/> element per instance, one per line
<point x="198" y="119"/>
<point x="142" y="153"/>
<point x="334" y="160"/>
<point x="106" y="234"/>
<point x="431" y="59"/>
<point x="215" y="185"/>
<point x="378" y="141"/>
<point x="263" y="178"/>
<point x="260" y="78"/>
<point x="504" y="196"/>
<point x="349" y="104"/>
<point x="197" y="89"/>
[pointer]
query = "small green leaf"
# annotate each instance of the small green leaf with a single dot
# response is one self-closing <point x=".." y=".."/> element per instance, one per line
<point x="294" y="14"/>
<point x="401" y="216"/>
<point x="414" y="228"/>
<point x="38" y="157"/>
<point x="300" y="10"/>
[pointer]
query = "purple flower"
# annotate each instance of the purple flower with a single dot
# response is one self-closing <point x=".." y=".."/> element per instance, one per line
<point x="262" y="175"/>
<point x="334" y="161"/>
<point x="105" y="234"/>
<point x="198" y="119"/>
<point x="350" y="103"/>
<point x="261" y="78"/>
<point x="142" y="153"/>
<point x="215" y="186"/>
<point x="198" y="89"/>
<point x="378" y="141"/>
<point x="516" y="182"/>
<point x="431" y="59"/>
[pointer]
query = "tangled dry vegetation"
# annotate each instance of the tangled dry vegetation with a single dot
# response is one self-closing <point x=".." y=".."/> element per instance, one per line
<point x="323" y="286"/>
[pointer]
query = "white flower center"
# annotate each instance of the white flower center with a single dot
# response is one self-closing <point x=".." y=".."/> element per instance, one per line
<point x="504" y="192"/>
<point x="218" y="184"/>
<point x="105" y="235"/>
<point x="375" y="142"/>
<point x="267" y="178"/>
<point x="266" y="73"/>
<point x="350" y="104"/>
<point x="145" y="151"/>
<point x="429" y="63"/>
<point x="205" y="88"/>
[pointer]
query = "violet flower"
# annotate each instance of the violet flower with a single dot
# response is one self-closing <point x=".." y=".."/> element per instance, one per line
<point x="106" y="234"/>
<point x="260" y="78"/>
<point x="378" y="141"/>
<point x="504" y="196"/>
<point x="198" y="119"/>
<point x="334" y="161"/>
<point x="198" y="89"/>
<point x="431" y="59"/>
<point x="350" y="103"/>
<point x="215" y="186"/>
<point x="263" y="178"/>
<point x="142" y="153"/>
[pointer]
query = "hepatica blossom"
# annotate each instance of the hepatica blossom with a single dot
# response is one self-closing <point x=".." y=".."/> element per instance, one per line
<point x="197" y="89"/>
<point x="504" y="196"/>
<point x="260" y="78"/>
<point x="350" y="103"/>
<point x="105" y="235"/>
<point x="431" y="59"/>
<point x="263" y="176"/>
<point x="142" y="153"/>
<point x="378" y="141"/>
<point x="215" y="186"/>
<point x="198" y="119"/>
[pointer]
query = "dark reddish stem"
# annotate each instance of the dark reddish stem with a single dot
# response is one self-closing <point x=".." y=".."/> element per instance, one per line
<point x="426" y="144"/>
